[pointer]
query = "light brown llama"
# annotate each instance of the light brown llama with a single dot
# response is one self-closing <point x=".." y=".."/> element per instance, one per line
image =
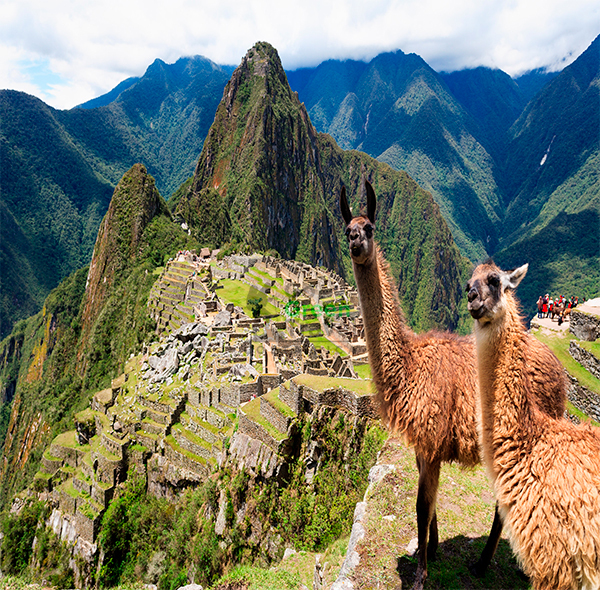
<point x="546" y="473"/>
<point x="426" y="384"/>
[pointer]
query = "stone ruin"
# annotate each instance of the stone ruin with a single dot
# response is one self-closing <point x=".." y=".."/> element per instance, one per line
<point x="168" y="417"/>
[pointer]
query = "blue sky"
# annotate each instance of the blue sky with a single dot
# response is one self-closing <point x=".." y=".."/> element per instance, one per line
<point x="66" y="52"/>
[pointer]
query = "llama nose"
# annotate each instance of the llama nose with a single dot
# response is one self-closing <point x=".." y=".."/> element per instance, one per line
<point x="472" y="294"/>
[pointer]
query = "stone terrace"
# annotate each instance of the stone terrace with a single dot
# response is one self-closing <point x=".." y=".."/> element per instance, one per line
<point x="169" y="416"/>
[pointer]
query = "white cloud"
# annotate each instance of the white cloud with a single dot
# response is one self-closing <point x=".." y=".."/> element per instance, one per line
<point x="90" y="47"/>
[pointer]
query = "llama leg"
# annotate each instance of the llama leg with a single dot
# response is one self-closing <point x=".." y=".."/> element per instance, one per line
<point x="429" y="475"/>
<point x="432" y="543"/>
<point x="479" y="568"/>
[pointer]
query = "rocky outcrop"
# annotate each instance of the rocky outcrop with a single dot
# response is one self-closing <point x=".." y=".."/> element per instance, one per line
<point x="585" y="326"/>
<point x="135" y="202"/>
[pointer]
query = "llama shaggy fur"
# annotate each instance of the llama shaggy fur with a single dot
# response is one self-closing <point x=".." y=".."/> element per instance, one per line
<point x="426" y="384"/>
<point x="546" y="473"/>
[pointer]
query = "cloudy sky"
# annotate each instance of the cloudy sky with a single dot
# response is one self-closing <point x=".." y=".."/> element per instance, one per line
<point x="67" y="51"/>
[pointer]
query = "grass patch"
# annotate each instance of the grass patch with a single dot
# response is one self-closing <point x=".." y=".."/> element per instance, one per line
<point x="255" y="578"/>
<point x="363" y="371"/>
<point x="320" y="383"/>
<point x="66" y="439"/>
<point x="238" y="293"/>
<point x="593" y="347"/>
<point x="323" y="342"/>
<point x="465" y="510"/>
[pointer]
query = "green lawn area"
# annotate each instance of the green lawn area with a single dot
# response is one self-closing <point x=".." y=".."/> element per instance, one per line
<point x="363" y="371"/>
<point x="238" y="293"/>
<point x="320" y="383"/>
<point x="323" y="342"/>
<point x="66" y="439"/>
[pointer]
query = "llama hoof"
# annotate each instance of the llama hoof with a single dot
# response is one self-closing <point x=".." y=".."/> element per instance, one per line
<point x="478" y="569"/>
<point x="420" y="580"/>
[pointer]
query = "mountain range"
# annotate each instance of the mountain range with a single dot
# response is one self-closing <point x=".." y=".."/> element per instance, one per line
<point x="511" y="163"/>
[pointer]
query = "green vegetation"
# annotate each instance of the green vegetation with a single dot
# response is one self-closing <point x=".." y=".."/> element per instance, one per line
<point x="154" y="541"/>
<point x="320" y="383"/>
<point x="241" y="294"/>
<point x="465" y="509"/>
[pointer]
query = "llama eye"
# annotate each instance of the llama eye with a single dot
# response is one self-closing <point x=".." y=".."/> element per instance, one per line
<point x="494" y="280"/>
<point x="467" y="288"/>
<point x="369" y="230"/>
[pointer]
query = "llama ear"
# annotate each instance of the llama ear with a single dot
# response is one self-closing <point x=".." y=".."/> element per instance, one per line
<point x="511" y="280"/>
<point x="344" y="207"/>
<point x="371" y="202"/>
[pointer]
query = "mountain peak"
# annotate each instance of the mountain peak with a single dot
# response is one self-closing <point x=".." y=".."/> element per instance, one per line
<point x="257" y="156"/>
<point x="135" y="203"/>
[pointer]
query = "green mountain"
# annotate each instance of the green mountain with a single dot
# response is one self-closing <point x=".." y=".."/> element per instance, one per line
<point x="450" y="132"/>
<point x="493" y="99"/>
<point x="272" y="183"/>
<point x="400" y="111"/>
<point x="52" y="200"/>
<point x="59" y="169"/>
<point x="553" y="190"/>
<point x="87" y="328"/>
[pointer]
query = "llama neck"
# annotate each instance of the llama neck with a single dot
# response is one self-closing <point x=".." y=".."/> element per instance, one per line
<point x="385" y="331"/>
<point x="505" y="403"/>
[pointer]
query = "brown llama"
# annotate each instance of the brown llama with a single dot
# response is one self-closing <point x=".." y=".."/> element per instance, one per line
<point x="546" y="473"/>
<point x="426" y="384"/>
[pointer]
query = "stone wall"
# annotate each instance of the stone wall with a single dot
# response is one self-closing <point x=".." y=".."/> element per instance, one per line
<point x="585" y="326"/>
<point x="270" y="381"/>
<point x="188" y="445"/>
<point x="291" y="396"/>
<point x="273" y="416"/>
<point x="341" y="398"/>
<point x="67" y="454"/>
<point x="87" y="528"/>
<point x="584" y="399"/>
<point x="115" y="446"/>
<point x="585" y="358"/>
<point x="256" y="431"/>
<point x="182" y="460"/>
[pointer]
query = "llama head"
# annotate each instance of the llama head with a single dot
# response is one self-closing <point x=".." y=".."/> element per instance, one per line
<point x="486" y="291"/>
<point x="359" y="230"/>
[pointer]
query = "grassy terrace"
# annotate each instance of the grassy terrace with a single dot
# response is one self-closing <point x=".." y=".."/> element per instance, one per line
<point x="192" y="437"/>
<point x="67" y="439"/>
<point x="319" y="383"/>
<point x="206" y="425"/>
<point x="593" y="347"/>
<point x="97" y="446"/>
<point x="252" y="410"/>
<point x="323" y="342"/>
<point x="238" y="293"/>
<point x="173" y="444"/>
<point x="273" y="398"/>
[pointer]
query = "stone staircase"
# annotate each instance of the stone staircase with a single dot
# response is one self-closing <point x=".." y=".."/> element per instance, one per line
<point x="175" y="294"/>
